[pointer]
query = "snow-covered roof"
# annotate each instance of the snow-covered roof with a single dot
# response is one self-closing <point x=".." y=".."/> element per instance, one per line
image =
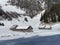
<point x="22" y="27"/>
<point x="48" y="26"/>
<point x="45" y="26"/>
<point x="41" y="26"/>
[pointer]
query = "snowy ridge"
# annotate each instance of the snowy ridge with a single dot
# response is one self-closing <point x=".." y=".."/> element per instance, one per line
<point x="9" y="11"/>
<point x="9" y="7"/>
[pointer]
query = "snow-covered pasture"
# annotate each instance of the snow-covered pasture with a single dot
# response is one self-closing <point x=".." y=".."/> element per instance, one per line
<point x="6" y="33"/>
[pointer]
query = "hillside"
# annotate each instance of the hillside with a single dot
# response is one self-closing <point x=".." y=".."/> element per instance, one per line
<point x="27" y="13"/>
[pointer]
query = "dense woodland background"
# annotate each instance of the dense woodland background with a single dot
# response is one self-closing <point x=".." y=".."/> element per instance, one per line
<point x="33" y="7"/>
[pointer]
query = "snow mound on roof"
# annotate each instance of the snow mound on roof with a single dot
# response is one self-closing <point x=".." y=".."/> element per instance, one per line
<point x="22" y="27"/>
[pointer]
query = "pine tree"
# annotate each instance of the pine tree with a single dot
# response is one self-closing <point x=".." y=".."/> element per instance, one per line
<point x="52" y="13"/>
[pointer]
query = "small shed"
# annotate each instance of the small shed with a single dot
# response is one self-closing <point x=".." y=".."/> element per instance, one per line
<point x="45" y="27"/>
<point x="1" y="24"/>
<point x="21" y="28"/>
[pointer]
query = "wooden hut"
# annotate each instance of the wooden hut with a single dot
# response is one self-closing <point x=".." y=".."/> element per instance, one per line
<point x="1" y="24"/>
<point x="45" y="27"/>
<point x="22" y="29"/>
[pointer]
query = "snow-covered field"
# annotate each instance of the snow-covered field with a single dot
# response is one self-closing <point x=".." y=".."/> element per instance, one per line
<point x="6" y="33"/>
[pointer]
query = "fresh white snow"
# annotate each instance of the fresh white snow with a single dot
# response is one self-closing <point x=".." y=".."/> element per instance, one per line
<point x="22" y="27"/>
<point x="10" y="8"/>
<point x="6" y="33"/>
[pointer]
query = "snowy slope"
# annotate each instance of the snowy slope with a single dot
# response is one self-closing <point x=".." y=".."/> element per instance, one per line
<point x="10" y="8"/>
<point x="6" y="33"/>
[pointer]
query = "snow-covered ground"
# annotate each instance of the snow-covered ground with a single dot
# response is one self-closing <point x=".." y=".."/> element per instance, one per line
<point x="10" y="8"/>
<point x="6" y="33"/>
